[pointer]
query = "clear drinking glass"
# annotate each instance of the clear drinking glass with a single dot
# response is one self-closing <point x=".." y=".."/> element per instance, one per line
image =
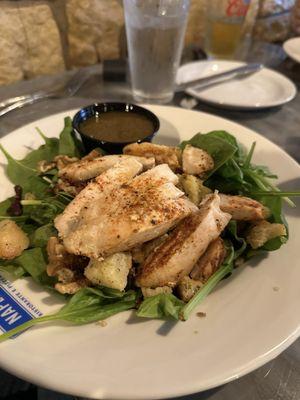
<point x="155" y="32"/>
<point x="227" y="22"/>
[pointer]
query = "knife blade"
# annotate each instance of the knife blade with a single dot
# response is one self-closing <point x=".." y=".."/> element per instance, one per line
<point x="220" y="77"/>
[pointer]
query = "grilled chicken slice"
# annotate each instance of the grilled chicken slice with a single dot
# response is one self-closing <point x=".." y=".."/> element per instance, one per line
<point x="176" y="256"/>
<point x="126" y="215"/>
<point x="162" y="154"/>
<point x="94" y="192"/>
<point x="210" y="261"/>
<point x="196" y="161"/>
<point x="140" y="253"/>
<point x="243" y="208"/>
<point x="85" y="169"/>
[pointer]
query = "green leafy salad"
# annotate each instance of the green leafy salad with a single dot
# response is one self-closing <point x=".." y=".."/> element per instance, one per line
<point x="209" y="201"/>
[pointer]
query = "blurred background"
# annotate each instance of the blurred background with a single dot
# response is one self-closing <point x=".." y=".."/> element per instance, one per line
<point x="47" y="37"/>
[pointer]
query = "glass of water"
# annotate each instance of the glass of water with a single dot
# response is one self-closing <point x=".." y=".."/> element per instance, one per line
<point x="155" y="34"/>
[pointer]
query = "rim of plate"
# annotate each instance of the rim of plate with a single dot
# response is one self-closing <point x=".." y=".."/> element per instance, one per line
<point x="287" y="48"/>
<point x="198" y="386"/>
<point x="232" y="105"/>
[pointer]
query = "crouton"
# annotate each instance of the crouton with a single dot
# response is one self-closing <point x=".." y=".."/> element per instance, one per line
<point x="12" y="240"/>
<point x="187" y="287"/>
<point x="149" y="292"/>
<point x="193" y="188"/>
<point x="262" y="232"/>
<point x="111" y="272"/>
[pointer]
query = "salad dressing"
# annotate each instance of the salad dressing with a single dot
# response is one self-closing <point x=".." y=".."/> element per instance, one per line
<point x="117" y="126"/>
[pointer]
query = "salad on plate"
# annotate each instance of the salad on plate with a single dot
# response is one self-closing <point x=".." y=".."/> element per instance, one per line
<point x="153" y="229"/>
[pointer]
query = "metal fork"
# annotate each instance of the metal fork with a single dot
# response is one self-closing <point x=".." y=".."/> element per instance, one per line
<point x="66" y="90"/>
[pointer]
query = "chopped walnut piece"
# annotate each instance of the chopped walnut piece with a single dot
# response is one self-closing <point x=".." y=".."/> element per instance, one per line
<point x="72" y="287"/>
<point x="44" y="166"/>
<point x="68" y="268"/>
<point x="61" y="161"/>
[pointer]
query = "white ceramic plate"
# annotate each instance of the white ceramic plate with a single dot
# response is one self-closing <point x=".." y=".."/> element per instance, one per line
<point x="247" y="322"/>
<point x="263" y="89"/>
<point x="292" y="48"/>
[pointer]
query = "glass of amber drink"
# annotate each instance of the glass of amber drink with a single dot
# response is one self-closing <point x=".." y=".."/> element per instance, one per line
<point x="226" y="26"/>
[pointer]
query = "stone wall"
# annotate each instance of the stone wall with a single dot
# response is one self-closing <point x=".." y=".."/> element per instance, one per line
<point x="46" y="36"/>
<point x="43" y="37"/>
<point x="29" y="41"/>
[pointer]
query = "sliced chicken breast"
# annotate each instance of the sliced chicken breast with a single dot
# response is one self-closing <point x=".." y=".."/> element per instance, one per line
<point x="177" y="255"/>
<point x="243" y="208"/>
<point x="127" y="215"/>
<point x="85" y="169"/>
<point x="196" y="161"/>
<point x="210" y="261"/>
<point x="95" y="192"/>
<point x="162" y="154"/>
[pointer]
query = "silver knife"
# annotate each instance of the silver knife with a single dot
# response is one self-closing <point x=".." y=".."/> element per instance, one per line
<point x="220" y="77"/>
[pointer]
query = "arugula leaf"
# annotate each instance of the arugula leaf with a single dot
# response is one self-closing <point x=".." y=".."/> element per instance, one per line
<point x="160" y="306"/>
<point x="85" y="306"/>
<point x="225" y="269"/>
<point x="220" y="150"/>
<point x="68" y="145"/>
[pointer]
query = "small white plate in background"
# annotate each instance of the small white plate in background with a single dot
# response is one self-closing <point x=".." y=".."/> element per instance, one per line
<point x="263" y="89"/>
<point x="292" y="48"/>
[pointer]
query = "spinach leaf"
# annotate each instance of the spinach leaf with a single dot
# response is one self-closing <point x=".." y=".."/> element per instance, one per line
<point x="109" y="293"/>
<point x="45" y="152"/>
<point x="221" y="150"/>
<point x="24" y="172"/>
<point x="4" y="205"/>
<point x="34" y="263"/>
<point x="44" y="211"/>
<point x="160" y="306"/>
<point x="24" y="175"/>
<point x="225" y="136"/>
<point x="239" y="242"/>
<point x="68" y="145"/>
<point x="41" y="235"/>
<point x="16" y="271"/>
<point x="85" y="306"/>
